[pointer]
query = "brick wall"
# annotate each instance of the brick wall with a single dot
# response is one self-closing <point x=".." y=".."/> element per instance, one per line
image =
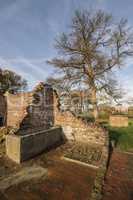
<point x="75" y="128"/>
<point x="33" y="110"/>
<point x="40" y="110"/>
<point x="16" y="107"/>
<point x="118" y="121"/>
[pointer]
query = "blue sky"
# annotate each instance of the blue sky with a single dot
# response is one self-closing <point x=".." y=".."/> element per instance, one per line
<point x="28" y="29"/>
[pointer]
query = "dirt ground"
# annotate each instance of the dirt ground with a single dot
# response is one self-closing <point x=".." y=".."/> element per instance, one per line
<point x="65" y="180"/>
<point x="119" y="179"/>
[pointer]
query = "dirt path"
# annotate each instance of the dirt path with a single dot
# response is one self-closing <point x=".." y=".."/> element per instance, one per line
<point x="65" y="180"/>
<point x="119" y="179"/>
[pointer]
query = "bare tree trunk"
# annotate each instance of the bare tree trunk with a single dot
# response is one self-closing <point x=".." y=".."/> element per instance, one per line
<point x="81" y="101"/>
<point x="94" y="102"/>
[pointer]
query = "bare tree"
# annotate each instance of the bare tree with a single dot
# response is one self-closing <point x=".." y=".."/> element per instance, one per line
<point x="59" y="84"/>
<point x="88" y="54"/>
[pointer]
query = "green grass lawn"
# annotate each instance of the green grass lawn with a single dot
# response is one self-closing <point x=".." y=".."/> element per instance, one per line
<point x="123" y="137"/>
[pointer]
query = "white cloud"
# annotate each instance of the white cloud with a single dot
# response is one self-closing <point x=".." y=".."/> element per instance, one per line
<point x="33" y="70"/>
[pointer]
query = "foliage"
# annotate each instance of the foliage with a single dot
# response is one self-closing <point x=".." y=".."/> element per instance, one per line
<point x="70" y="98"/>
<point x="5" y="131"/>
<point x="87" y="117"/>
<point x="11" y="82"/>
<point x="123" y="137"/>
<point x="103" y="115"/>
<point x="59" y="84"/>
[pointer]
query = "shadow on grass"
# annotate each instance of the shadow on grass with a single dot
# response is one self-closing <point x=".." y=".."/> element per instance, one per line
<point x="120" y="138"/>
<point x="114" y="136"/>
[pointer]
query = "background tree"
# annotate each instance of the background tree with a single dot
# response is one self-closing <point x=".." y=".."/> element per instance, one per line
<point x="11" y="82"/>
<point x="91" y="50"/>
<point x="73" y="99"/>
<point x="60" y="85"/>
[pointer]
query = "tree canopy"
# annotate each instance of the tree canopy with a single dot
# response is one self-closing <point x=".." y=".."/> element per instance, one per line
<point x="11" y="82"/>
<point x="88" y="54"/>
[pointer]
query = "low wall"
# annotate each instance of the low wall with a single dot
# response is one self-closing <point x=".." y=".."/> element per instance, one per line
<point x="118" y="121"/>
<point x="97" y="192"/>
<point x="20" y="148"/>
<point x="78" y="130"/>
<point x="75" y="128"/>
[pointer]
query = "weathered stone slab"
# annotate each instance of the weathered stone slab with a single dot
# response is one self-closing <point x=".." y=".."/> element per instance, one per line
<point x="20" y="148"/>
<point x="118" y="121"/>
<point x="26" y="174"/>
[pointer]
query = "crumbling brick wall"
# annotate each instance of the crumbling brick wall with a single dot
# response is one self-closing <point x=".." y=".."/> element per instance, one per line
<point x="40" y="110"/>
<point x="16" y="107"/>
<point x="75" y="128"/>
<point x="32" y="110"/>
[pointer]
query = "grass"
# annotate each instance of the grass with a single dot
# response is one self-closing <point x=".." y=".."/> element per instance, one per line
<point x="122" y="137"/>
<point x="86" y="117"/>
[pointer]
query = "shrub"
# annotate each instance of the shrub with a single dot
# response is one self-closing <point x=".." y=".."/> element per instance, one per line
<point x="4" y="131"/>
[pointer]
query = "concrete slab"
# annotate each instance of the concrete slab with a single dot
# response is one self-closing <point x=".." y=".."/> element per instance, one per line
<point x="20" y="148"/>
<point x="26" y="174"/>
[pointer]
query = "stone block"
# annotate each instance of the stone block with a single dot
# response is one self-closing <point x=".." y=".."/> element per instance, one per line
<point x="23" y="147"/>
<point x="118" y="121"/>
<point x="13" y="147"/>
